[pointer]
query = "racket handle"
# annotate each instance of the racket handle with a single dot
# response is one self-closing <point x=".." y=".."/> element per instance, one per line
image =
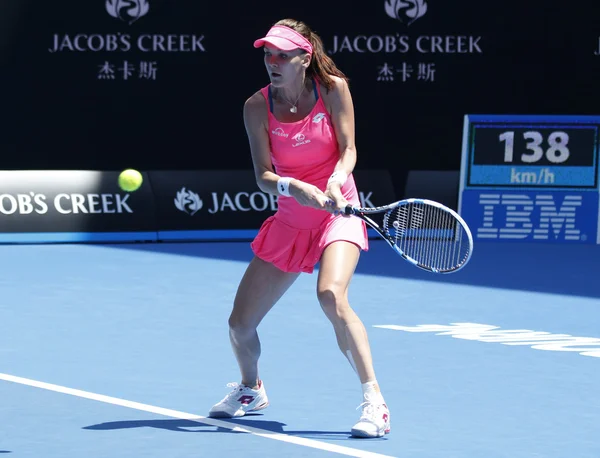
<point x="349" y="210"/>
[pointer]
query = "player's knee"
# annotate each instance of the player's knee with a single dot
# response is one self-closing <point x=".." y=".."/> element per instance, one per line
<point x="333" y="300"/>
<point x="241" y="323"/>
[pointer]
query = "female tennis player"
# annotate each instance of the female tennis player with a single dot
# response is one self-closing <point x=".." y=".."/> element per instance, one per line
<point x="301" y="133"/>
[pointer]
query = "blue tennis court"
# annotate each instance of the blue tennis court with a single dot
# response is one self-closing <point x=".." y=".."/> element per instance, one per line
<point x="120" y="350"/>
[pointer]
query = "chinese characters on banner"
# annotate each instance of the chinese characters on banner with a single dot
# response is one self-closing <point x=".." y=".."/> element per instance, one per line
<point x="421" y="72"/>
<point x="127" y="70"/>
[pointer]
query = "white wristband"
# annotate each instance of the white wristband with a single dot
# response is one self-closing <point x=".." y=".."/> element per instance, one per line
<point x="283" y="186"/>
<point x="338" y="176"/>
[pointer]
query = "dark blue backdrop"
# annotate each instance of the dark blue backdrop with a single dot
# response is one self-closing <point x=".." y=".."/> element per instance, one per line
<point x="415" y="71"/>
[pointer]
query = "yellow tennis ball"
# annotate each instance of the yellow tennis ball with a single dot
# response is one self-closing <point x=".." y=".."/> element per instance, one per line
<point x="130" y="180"/>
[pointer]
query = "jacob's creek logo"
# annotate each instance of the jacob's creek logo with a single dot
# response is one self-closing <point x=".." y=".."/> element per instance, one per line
<point x="279" y="132"/>
<point x="65" y="204"/>
<point x="187" y="201"/>
<point x="127" y="10"/>
<point x="145" y="44"/>
<point x="391" y="43"/>
<point x="300" y="140"/>
<point x="406" y="11"/>
<point x="190" y="202"/>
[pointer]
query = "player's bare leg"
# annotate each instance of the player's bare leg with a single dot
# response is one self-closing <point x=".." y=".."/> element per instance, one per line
<point x="261" y="287"/>
<point x="338" y="264"/>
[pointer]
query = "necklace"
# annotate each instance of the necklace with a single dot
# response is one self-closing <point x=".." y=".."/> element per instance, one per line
<point x="294" y="105"/>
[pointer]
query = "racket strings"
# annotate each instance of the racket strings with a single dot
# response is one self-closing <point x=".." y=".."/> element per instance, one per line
<point x="429" y="235"/>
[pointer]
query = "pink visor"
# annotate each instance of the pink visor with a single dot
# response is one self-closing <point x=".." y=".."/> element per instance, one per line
<point x="284" y="38"/>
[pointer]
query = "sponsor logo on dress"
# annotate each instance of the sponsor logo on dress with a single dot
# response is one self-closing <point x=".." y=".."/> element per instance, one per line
<point x="300" y="140"/>
<point x="280" y="132"/>
<point x="318" y="117"/>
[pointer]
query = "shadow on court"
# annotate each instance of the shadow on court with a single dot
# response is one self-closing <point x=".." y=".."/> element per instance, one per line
<point x="188" y="426"/>
<point x="540" y="267"/>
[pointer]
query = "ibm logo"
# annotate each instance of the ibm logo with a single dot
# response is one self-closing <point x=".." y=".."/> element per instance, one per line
<point x="519" y="216"/>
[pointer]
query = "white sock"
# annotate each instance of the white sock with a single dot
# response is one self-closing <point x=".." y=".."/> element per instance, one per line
<point x="371" y="391"/>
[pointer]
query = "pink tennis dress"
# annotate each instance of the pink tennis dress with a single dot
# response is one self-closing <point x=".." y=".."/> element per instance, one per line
<point x="294" y="238"/>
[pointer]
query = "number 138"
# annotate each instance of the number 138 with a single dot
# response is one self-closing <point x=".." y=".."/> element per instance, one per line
<point x="556" y="153"/>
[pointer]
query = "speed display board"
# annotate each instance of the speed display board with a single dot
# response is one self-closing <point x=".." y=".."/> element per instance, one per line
<point x="531" y="178"/>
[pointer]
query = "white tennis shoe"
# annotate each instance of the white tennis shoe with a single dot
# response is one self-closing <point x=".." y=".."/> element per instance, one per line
<point x="374" y="420"/>
<point x="241" y="400"/>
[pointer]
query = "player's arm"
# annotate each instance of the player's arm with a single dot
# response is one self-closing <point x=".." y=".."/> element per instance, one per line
<point x="256" y="123"/>
<point x="339" y="101"/>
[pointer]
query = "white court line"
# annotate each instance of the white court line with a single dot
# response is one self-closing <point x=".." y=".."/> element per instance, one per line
<point x="197" y="418"/>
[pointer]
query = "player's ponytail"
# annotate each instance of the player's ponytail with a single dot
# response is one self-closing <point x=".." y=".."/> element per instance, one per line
<point x="321" y="66"/>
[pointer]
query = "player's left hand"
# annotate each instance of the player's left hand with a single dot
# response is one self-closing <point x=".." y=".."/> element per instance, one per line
<point x="336" y="203"/>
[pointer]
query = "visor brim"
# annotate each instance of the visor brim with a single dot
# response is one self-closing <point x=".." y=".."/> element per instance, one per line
<point x="276" y="42"/>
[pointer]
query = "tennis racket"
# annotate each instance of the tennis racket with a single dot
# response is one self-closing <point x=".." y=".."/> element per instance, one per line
<point x="427" y="234"/>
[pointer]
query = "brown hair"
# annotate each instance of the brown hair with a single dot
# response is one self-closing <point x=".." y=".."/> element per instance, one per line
<point x="321" y="66"/>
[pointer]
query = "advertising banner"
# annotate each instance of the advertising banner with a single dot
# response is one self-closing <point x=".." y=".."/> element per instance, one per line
<point x="88" y="206"/>
<point x="532" y="215"/>
<point x="531" y="178"/>
<point x="228" y="205"/>
<point x="205" y="204"/>
<point x="99" y="84"/>
<point x="73" y="206"/>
